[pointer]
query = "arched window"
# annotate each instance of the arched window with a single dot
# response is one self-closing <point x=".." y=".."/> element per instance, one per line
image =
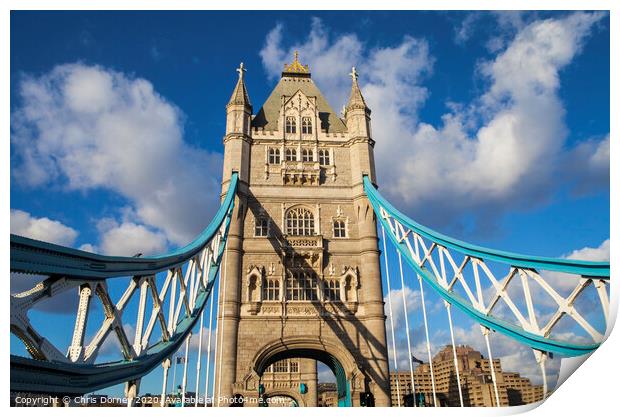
<point x="274" y="155"/>
<point x="306" y="125"/>
<point x="291" y="154"/>
<point x="340" y="228"/>
<point x="331" y="290"/>
<point x="291" y="124"/>
<point x="301" y="286"/>
<point x="324" y="157"/>
<point x="271" y="290"/>
<point x="299" y="222"/>
<point x="307" y="155"/>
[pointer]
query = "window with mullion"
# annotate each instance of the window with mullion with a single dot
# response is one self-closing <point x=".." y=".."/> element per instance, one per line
<point x="274" y="156"/>
<point x="261" y="227"/>
<point x="307" y="155"/>
<point x="301" y="286"/>
<point x="271" y="290"/>
<point x="291" y="124"/>
<point x="306" y="125"/>
<point x="324" y="157"/>
<point x="290" y="154"/>
<point x="331" y="290"/>
<point x="299" y="222"/>
<point x="340" y="228"/>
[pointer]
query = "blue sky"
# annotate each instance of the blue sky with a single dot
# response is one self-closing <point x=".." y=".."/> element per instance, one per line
<point x="440" y="84"/>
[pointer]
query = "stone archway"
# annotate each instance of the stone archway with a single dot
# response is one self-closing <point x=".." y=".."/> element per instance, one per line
<point x="338" y="359"/>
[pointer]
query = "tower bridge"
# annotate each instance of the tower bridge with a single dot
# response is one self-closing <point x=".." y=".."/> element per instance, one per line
<point x="289" y="273"/>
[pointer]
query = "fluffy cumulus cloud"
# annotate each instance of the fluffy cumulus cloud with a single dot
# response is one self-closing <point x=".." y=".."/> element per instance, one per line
<point x="88" y="127"/>
<point x="598" y="254"/>
<point x="42" y="228"/>
<point x="128" y="239"/>
<point x="510" y="141"/>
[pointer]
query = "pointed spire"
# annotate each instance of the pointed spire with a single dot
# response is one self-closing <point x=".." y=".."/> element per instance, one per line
<point x="356" y="100"/>
<point x="240" y="94"/>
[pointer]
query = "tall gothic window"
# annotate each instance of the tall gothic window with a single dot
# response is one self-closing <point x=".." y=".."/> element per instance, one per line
<point x="299" y="222"/>
<point x="274" y="155"/>
<point x="307" y="155"/>
<point x="306" y="125"/>
<point x="340" y="228"/>
<point x="271" y="290"/>
<point x="261" y="227"/>
<point x="331" y="290"/>
<point x="324" y="157"/>
<point x="291" y="124"/>
<point x="291" y="154"/>
<point x="301" y="286"/>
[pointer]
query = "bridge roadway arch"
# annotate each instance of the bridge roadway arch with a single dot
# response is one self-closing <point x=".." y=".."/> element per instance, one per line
<point x="349" y="378"/>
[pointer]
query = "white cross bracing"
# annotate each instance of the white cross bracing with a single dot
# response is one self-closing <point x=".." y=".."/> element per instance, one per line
<point x="161" y="289"/>
<point x="534" y="302"/>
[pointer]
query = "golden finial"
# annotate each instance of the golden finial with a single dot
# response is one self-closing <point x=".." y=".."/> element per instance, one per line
<point x="296" y="67"/>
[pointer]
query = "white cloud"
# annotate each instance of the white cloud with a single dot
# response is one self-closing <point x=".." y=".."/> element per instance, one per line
<point x="42" y="228"/>
<point x="325" y="375"/>
<point x="464" y="31"/>
<point x="413" y="301"/>
<point x="509" y="142"/>
<point x="195" y="340"/>
<point x="128" y="239"/>
<point x="598" y="254"/>
<point x="88" y="248"/>
<point x="588" y="165"/>
<point x="88" y="127"/>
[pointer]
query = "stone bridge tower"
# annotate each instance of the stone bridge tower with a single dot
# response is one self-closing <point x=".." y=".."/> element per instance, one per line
<point x="302" y="275"/>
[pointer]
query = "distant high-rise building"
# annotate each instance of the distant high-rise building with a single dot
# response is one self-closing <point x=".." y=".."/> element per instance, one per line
<point x="476" y="382"/>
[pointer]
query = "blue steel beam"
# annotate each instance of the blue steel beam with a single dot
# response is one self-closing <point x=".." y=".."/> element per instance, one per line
<point x="37" y="257"/>
<point x="599" y="270"/>
<point x="32" y="375"/>
<point x="584" y="268"/>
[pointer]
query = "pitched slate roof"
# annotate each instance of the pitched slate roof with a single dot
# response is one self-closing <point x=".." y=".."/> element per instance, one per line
<point x="267" y="116"/>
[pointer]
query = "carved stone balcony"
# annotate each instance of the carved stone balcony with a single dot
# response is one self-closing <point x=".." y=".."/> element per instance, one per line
<point x="300" y="173"/>
<point x="304" y="242"/>
<point x="303" y="251"/>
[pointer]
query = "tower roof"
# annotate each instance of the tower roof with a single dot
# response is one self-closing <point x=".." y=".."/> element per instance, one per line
<point x="240" y="93"/>
<point x="356" y="100"/>
<point x="296" y="77"/>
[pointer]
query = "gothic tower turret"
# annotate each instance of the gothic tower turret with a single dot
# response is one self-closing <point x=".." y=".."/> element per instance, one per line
<point x="237" y="139"/>
<point x="357" y="113"/>
<point x="357" y="118"/>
